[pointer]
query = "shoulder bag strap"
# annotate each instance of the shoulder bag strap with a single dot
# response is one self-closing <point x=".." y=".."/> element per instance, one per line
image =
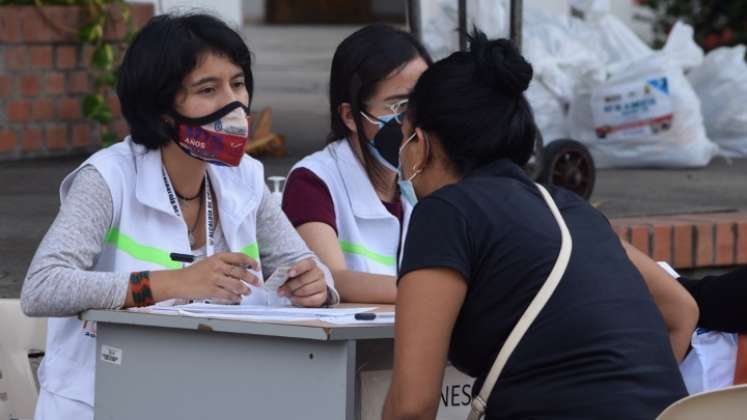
<point x="479" y="403"/>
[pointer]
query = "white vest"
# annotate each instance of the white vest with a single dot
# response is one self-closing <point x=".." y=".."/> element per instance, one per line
<point x="370" y="236"/>
<point x="144" y="230"/>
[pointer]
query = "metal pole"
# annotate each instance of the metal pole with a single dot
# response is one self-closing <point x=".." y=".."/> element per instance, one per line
<point x="517" y="15"/>
<point x="462" y="9"/>
<point x="413" y="19"/>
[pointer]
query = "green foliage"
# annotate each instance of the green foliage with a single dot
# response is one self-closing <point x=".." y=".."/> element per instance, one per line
<point x="716" y="22"/>
<point x="98" y="13"/>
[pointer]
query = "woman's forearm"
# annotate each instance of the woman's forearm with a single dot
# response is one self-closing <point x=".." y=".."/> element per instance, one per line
<point x="358" y="287"/>
<point x="677" y="306"/>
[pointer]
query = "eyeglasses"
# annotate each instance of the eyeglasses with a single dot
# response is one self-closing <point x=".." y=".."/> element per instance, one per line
<point x="397" y="108"/>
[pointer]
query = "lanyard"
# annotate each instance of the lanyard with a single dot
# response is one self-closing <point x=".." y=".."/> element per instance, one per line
<point x="209" y="214"/>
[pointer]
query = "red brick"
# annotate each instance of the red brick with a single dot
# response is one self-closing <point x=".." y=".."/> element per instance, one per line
<point x="87" y="55"/>
<point x="9" y="27"/>
<point x="16" y="58"/>
<point x="704" y="246"/>
<point x="66" y="57"/>
<point x="32" y="139"/>
<point x="683" y="246"/>
<point x="6" y="87"/>
<point x="35" y="29"/>
<point x="621" y="232"/>
<point x="7" y="140"/>
<point x="30" y="85"/>
<point x="68" y="108"/>
<point x="56" y="137"/>
<point x="639" y="238"/>
<point x="81" y="135"/>
<point x="42" y="109"/>
<point x="662" y="246"/>
<point x="141" y="13"/>
<point x="742" y="243"/>
<point x="113" y="103"/>
<point x="725" y="244"/>
<point x="55" y="83"/>
<point x="19" y="110"/>
<point x="78" y="82"/>
<point x="115" y="29"/>
<point x="41" y="57"/>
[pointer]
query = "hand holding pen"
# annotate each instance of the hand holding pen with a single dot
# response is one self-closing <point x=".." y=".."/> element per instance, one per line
<point x="219" y="276"/>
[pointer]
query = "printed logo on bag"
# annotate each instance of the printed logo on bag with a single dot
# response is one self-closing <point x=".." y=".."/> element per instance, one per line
<point x="632" y="110"/>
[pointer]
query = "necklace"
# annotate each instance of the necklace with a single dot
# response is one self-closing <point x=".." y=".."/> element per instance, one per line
<point x="186" y="201"/>
<point x="191" y="230"/>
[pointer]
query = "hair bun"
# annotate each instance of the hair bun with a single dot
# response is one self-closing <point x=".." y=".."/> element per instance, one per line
<point x="499" y="64"/>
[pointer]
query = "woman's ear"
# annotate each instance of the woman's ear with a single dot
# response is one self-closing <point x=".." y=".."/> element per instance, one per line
<point x="346" y="114"/>
<point x="423" y="148"/>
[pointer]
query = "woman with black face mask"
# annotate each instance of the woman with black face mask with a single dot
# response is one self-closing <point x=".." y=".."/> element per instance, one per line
<point x="179" y="183"/>
<point x="344" y="200"/>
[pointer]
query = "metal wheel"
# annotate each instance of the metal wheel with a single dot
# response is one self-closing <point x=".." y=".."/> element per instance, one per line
<point x="568" y="164"/>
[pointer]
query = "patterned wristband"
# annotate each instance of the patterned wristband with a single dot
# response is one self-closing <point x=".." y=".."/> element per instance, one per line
<point x="140" y="285"/>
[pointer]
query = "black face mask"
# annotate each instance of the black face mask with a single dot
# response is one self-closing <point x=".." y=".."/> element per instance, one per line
<point x="385" y="145"/>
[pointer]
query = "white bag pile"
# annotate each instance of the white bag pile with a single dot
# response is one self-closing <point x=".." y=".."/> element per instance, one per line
<point x="721" y="85"/>
<point x="598" y="83"/>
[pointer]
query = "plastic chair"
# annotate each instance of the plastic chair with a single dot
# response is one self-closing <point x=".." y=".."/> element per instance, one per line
<point x="19" y="335"/>
<point x="722" y="404"/>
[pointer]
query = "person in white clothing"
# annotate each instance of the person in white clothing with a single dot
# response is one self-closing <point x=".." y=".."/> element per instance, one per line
<point x="344" y="199"/>
<point x="180" y="183"/>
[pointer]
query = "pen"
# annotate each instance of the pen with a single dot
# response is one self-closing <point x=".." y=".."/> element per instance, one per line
<point x="183" y="258"/>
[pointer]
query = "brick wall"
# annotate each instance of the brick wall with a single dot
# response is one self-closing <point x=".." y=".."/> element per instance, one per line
<point x="689" y="240"/>
<point x="44" y="75"/>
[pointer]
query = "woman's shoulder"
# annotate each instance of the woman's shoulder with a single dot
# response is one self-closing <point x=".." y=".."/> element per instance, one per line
<point x="321" y="159"/>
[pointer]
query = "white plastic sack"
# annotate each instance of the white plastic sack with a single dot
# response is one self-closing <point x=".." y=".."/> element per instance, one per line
<point x="549" y="112"/>
<point x="559" y="59"/>
<point x="646" y="113"/>
<point x="681" y="47"/>
<point x="721" y="85"/>
<point x="562" y="51"/>
<point x="440" y="22"/>
<point x="621" y="43"/>
<point x="711" y="363"/>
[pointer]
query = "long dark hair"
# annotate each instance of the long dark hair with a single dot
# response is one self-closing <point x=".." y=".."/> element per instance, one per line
<point x="474" y="102"/>
<point x="361" y="61"/>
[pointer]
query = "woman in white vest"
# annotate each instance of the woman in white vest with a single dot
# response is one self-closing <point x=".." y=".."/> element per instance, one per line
<point x="344" y="200"/>
<point x="180" y="183"/>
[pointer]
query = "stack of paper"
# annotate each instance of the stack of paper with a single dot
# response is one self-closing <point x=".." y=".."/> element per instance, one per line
<point x="260" y="312"/>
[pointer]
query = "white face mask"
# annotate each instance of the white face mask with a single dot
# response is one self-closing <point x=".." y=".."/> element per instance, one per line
<point x="405" y="185"/>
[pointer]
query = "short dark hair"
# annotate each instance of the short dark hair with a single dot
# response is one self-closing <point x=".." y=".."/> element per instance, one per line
<point x="474" y="102"/>
<point x="361" y="61"/>
<point x="160" y="56"/>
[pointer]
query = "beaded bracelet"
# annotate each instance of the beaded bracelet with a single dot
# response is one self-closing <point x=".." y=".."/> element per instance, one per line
<point x="140" y="285"/>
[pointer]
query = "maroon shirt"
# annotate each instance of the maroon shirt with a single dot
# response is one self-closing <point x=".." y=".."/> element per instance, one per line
<point x="307" y="199"/>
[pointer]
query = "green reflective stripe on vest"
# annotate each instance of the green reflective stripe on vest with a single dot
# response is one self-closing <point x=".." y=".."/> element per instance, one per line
<point x="363" y="251"/>
<point x="138" y="251"/>
<point x="251" y="250"/>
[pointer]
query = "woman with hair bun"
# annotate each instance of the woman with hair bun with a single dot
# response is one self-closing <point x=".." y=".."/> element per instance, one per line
<point x="483" y="239"/>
